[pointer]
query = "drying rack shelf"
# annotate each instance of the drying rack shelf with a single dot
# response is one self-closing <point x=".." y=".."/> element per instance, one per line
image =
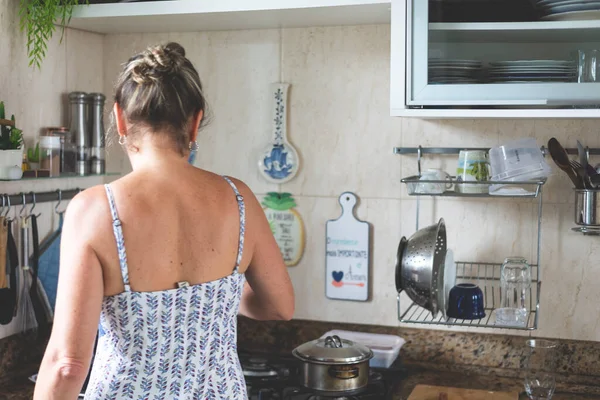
<point x="532" y="189"/>
<point x="487" y="277"/>
<point x="483" y="274"/>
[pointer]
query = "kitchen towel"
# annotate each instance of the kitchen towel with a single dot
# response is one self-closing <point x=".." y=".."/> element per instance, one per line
<point x="48" y="263"/>
<point x="3" y="239"/>
<point x="8" y="296"/>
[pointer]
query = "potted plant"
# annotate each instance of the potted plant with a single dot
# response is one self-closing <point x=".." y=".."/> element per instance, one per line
<point x="33" y="157"/>
<point x="11" y="147"/>
<point x="39" y="19"/>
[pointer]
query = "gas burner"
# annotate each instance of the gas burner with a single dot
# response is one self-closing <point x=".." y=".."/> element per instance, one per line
<point x="375" y="376"/>
<point x="279" y="377"/>
<point x="258" y="368"/>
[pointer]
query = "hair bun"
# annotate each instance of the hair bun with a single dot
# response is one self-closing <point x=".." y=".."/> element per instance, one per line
<point x="175" y="48"/>
<point x="158" y="62"/>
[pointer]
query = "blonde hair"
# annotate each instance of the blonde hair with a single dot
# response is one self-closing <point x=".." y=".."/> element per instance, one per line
<point x="159" y="89"/>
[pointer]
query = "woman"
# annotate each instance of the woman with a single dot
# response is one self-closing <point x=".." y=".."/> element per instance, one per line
<point x="163" y="258"/>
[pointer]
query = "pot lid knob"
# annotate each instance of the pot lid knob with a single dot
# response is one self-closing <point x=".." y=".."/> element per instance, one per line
<point x="333" y="342"/>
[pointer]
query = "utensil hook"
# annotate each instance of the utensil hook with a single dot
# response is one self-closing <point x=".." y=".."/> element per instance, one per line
<point x="419" y="155"/>
<point x="59" y="202"/>
<point x="24" y="204"/>
<point x="7" y="207"/>
<point x="587" y="153"/>
<point x="32" y="207"/>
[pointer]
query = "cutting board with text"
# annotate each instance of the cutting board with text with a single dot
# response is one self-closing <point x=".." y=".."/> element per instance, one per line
<point x="347" y="254"/>
<point x="426" y="392"/>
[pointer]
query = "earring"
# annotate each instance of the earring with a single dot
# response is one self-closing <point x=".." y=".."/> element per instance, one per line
<point x="193" y="146"/>
<point x="122" y="140"/>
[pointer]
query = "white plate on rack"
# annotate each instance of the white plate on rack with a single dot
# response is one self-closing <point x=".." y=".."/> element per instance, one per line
<point x="574" y="16"/>
<point x="565" y="3"/>
<point x="592" y="6"/>
<point x="550" y="63"/>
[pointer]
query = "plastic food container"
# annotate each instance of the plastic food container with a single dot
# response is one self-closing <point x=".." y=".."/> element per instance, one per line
<point x="385" y="348"/>
<point x="520" y="160"/>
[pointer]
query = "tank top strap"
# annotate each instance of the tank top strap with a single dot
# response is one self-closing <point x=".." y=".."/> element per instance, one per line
<point x="118" y="232"/>
<point x="242" y="211"/>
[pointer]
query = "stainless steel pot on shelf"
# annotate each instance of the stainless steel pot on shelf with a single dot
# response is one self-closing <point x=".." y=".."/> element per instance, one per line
<point x="334" y="365"/>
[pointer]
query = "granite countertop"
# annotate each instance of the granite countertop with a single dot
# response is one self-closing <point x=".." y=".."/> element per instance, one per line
<point x="484" y="379"/>
<point x="20" y="388"/>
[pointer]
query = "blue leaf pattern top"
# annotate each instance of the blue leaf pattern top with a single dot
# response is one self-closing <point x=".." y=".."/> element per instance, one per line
<point x="173" y="344"/>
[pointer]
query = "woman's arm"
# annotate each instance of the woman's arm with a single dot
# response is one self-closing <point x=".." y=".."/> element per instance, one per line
<point x="268" y="293"/>
<point x="78" y="303"/>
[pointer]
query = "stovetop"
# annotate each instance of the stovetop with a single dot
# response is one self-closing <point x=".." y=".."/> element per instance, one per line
<point x="279" y="377"/>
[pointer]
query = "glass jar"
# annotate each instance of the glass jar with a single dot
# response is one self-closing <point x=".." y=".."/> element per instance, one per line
<point x="68" y="150"/>
<point x="515" y="282"/>
<point x="50" y="154"/>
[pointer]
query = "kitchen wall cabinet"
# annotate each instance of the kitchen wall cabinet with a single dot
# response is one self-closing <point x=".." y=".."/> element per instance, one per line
<point x="195" y="15"/>
<point x="416" y="40"/>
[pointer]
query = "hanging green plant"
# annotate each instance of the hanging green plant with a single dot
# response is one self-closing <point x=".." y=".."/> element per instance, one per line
<point x="39" y="19"/>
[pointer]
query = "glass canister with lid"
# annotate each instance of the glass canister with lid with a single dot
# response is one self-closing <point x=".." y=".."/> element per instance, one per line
<point x="68" y="150"/>
<point x="50" y="154"/>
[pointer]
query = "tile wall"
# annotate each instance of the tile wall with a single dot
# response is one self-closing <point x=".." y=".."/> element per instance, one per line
<point x="339" y="121"/>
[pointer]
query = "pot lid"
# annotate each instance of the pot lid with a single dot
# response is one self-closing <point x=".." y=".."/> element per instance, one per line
<point x="333" y="350"/>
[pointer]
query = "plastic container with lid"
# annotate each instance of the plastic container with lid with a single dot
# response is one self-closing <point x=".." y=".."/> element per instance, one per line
<point x="519" y="160"/>
<point x="50" y="154"/>
<point x="385" y="348"/>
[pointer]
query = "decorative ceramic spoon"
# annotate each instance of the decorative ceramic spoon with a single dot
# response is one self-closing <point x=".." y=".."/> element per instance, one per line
<point x="278" y="163"/>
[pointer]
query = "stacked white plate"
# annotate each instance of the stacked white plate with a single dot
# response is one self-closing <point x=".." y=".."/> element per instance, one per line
<point x="569" y="10"/>
<point x="446" y="71"/>
<point x="528" y="71"/>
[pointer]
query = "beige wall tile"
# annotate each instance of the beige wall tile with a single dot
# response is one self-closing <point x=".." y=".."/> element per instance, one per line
<point x="339" y="110"/>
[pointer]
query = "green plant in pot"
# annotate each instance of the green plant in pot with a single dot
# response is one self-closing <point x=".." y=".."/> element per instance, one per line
<point x="11" y="147"/>
<point x="33" y="157"/>
<point x="39" y="19"/>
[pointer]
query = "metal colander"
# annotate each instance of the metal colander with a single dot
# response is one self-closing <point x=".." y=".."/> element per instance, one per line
<point x="421" y="266"/>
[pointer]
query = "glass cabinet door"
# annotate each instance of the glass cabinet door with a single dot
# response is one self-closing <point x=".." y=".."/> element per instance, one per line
<point x="503" y="53"/>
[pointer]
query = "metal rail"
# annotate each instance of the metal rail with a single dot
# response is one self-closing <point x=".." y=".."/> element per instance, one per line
<point x="37" y="197"/>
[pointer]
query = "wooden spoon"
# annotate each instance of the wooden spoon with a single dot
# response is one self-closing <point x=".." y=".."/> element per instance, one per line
<point x="561" y="159"/>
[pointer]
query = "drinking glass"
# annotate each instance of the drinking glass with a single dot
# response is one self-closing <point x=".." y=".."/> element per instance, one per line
<point x="540" y="379"/>
<point x="515" y="282"/>
<point x="588" y="68"/>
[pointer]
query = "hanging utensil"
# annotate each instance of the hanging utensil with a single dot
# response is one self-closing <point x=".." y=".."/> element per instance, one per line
<point x="50" y="258"/>
<point x="39" y="300"/>
<point x="3" y="242"/>
<point x="8" y="296"/>
<point x="26" y="310"/>
<point x="561" y="159"/>
<point x="583" y="160"/>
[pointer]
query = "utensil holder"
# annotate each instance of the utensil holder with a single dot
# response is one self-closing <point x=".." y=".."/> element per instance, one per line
<point x="587" y="207"/>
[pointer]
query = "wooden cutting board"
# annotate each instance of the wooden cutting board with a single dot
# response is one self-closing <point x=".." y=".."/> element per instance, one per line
<point x="426" y="392"/>
<point x="347" y="254"/>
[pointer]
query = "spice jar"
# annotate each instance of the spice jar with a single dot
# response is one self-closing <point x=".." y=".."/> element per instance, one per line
<point x="50" y="154"/>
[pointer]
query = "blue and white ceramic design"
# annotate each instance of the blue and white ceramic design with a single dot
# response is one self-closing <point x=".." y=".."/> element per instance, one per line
<point x="278" y="163"/>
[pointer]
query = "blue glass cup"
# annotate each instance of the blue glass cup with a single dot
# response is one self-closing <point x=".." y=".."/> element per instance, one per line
<point x="466" y="302"/>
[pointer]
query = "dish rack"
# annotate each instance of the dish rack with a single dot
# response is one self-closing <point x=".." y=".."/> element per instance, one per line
<point x="484" y="274"/>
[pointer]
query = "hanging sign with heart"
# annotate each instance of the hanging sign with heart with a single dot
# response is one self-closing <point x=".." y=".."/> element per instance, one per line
<point x="348" y="254"/>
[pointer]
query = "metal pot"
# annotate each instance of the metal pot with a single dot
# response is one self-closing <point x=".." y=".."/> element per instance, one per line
<point x="587" y="207"/>
<point x="334" y="365"/>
